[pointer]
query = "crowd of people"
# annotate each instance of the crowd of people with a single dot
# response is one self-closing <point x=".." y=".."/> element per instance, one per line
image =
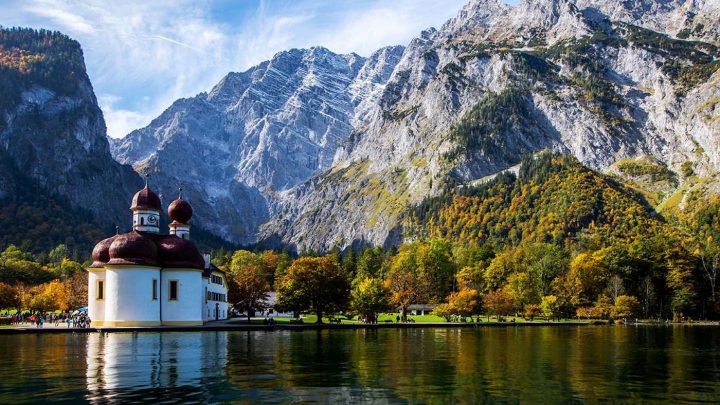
<point x="75" y="319"/>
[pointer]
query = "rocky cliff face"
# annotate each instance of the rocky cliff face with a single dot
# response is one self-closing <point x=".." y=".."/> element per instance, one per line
<point x="257" y="133"/>
<point x="52" y="128"/>
<point x="457" y="104"/>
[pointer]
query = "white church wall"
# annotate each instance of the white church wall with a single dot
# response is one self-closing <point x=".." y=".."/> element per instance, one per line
<point x="129" y="296"/>
<point x="187" y="309"/>
<point x="96" y="307"/>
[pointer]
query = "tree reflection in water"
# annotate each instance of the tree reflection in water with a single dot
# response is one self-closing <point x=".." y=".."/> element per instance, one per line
<point x="539" y="364"/>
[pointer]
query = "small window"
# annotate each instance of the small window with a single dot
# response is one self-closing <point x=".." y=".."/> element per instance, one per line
<point x="206" y="294"/>
<point x="100" y="290"/>
<point x="154" y="289"/>
<point x="142" y="220"/>
<point x="173" y="295"/>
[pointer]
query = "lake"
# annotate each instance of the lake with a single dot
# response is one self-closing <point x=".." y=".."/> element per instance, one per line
<point x="430" y="365"/>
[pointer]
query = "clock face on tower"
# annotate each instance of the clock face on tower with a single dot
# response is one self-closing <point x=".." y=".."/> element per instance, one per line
<point x="152" y="220"/>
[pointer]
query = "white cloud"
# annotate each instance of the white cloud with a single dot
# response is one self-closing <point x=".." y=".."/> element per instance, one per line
<point x="143" y="55"/>
<point x="388" y="23"/>
<point x="66" y="19"/>
<point x="120" y="122"/>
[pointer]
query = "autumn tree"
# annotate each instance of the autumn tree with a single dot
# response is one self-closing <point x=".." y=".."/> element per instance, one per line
<point x="269" y="262"/>
<point x="465" y="302"/>
<point x="519" y="289"/>
<point x="625" y="307"/>
<point x="531" y="311"/>
<point x="588" y="271"/>
<point x="49" y="297"/>
<point x="250" y="288"/>
<point x="435" y="265"/>
<point x="497" y="272"/>
<point x="551" y="306"/>
<point x="313" y="284"/>
<point x="405" y="284"/>
<point x="76" y="290"/>
<point x="680" y="282"/>
<point x="444" y="310"/>
<point x="498" y="303"/>
<point x="370" y="297"/>
<point x="9" y="297"/>
<point x="67" y="268"/>
<point x="603" y="307"/>
<point x="471" y="277"/>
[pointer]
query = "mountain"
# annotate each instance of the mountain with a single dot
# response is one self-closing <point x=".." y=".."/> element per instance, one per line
<point x="257" y="133"/>
<point x="550" y="199"/>
<point x="313" y="150"/>
<point x="53" y="144"/>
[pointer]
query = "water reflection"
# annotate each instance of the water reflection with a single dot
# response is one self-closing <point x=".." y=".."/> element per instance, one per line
<point x="557" y="364"/>
<point x="122" y="366"/>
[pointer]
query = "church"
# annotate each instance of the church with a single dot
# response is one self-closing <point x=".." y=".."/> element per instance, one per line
<point x="145" y="278"/>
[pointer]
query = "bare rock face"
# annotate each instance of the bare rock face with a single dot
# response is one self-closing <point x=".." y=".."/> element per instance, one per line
<point x="53" y="129"/>
<point x="311" y="149"/>
<point x="257" y="133"/>
<point x="696" y="19"/>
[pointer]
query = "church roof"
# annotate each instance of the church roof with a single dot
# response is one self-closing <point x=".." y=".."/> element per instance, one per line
<point x="180" y="211"/>
<point x="140" y="248"/>
<point x="146" y="199"/>
<point x="147" y="249"/>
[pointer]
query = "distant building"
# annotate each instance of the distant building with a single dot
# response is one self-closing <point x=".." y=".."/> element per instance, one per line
<point x="144" y="278"/>
<point x="421" y="309"/>
<point x="269" y="311"/>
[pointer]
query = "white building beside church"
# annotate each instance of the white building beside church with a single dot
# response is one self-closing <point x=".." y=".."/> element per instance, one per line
<point x="145" y="278"/>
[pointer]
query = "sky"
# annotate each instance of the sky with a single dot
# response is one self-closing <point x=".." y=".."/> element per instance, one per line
<point x="143" y="55"/>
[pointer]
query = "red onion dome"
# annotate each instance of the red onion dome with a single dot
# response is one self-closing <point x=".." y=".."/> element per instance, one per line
<point x="146" y="199"/>
<point x="101" y="252"/>
<point x="179" y="253"/>
<point x="180" y="211"/>
<point x="133" y="248"/>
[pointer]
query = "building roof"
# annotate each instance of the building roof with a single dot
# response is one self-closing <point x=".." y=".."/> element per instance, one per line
<point x="180" y="211"/>
<point x="146" y="199"/>
<point x="211" y="268"/>
<point x="147" y="249"/>
<point x="421" y="307"/>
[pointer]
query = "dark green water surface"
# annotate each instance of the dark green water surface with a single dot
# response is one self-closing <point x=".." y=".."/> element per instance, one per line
<point x="518" y="365"/>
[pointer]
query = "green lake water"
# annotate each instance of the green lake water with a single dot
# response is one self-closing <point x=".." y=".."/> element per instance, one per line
<point x="444" y="365"/>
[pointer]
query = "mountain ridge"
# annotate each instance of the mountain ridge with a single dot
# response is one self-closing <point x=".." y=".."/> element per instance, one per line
<point x="454" y="105"/>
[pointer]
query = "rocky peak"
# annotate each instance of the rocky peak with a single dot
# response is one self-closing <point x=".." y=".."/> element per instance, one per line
<point x="265" y="130"/>
<point x="697" y="19"/>
<point x="476" y="16"/>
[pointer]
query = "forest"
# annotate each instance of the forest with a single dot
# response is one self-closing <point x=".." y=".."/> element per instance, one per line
<point x="558" y="240"/>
